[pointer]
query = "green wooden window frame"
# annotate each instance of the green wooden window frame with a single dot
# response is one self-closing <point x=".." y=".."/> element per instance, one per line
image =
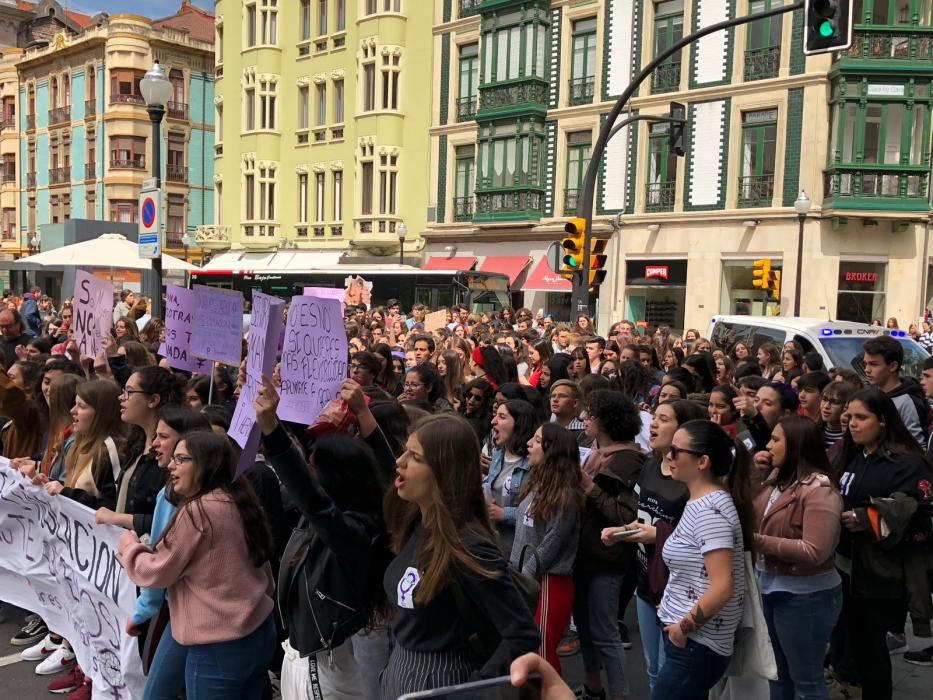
<point x="521" y="40"/>
<point x="759" y="136"/>
<point x="872" y="122"/>
<point x="520" y="145"/>
<point x="465" y="171"/>
<point x="765" y="33"/>
<point x="579" y="150"/>
<point x="662" y="163"/>
<point x="668" y="27"/>
<point x="892" y="13"/>
<point x="583" y="62"/>
<point x="469" y="71"/>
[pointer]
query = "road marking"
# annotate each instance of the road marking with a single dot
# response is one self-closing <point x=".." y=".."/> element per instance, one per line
<point x="10" y="660"/>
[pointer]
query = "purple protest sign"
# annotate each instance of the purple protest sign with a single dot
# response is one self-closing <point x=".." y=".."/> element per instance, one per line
<point x="314" y="359"/>
<point x="93" y="312"/>
<point x="179" y="327"/>
<point x="264" y="325"/>
<point x="218" y="325"/>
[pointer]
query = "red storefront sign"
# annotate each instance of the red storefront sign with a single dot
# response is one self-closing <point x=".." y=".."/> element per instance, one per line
<point x="656" y="272"/>
<point x="867" y="277"/>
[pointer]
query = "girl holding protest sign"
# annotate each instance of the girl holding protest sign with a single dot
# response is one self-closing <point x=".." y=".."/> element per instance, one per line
<point x="213" y="559"/>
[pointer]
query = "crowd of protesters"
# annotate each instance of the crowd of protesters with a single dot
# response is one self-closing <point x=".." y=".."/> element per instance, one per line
<point x="501" y="486"/>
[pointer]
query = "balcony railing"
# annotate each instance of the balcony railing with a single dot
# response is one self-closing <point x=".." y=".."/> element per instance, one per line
<point x="8" y="236"/>
<point x="468" y="8"/>
<point x="90" y="171"/>
<point x="877" y="184"/>
<point x="90" y="108"/>
<point x="666" y="78"/>
<point x="659" y="196"/>
<point x="509" y="204"/>
<point x="581" y="91"/>
<point x="756" y="190"/>
<point x="7" y="176"/>
<point x="60" y="115"/>
<point x="496" y="96"/>
<point x="762" y="63"/>
<point x="30" y="122"/>
<point x="7" y="123"/>
<point x="893" y="43"/>
<point x="59" y="176"/>
<point x="137" y="163"/>
<point x="30" y="179"/>
<point x="463" y="208"/>
<point x="176" y="173"/>
<point x="176" y="110"/>
<point x="571" y="201"/>
<point x="466" y="108"/>
<point x="175" y="239"/>
<point x="119" y="99"/>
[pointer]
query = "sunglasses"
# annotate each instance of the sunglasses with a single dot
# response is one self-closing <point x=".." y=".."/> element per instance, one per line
<point x="675" y="452"/>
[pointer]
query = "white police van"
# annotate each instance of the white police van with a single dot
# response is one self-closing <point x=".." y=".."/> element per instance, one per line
<point x="838" y="342"/>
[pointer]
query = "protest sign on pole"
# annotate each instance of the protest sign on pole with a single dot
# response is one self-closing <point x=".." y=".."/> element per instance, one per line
<point x="93" y="312"/>
<point x="179" y="328"/>
<point x="218" y="325"/>
<point x="58" y="563"/>
<point x="435" y="321"/>
<point x="264" y="326"/>
<point x="314" y="358"/>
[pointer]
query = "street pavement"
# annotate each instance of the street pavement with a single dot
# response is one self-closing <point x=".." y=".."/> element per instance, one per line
<point x="18" y="679"/>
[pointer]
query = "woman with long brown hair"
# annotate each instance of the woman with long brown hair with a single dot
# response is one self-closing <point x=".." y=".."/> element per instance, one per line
<point x="550" y="506"/>
<point x="446" y="554"/>
<point x="451" y="373"/>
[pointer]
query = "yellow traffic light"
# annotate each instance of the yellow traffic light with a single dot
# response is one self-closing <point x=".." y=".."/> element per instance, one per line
<point x="762" y="274"/>
<point x="573" y="244"/>
<point x="598" y="262"/>
<point x="776" y="285"/>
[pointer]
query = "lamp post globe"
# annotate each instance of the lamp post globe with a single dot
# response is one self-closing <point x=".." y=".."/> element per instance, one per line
<point x="402" y="231"/>
<point x="155" y="86"/>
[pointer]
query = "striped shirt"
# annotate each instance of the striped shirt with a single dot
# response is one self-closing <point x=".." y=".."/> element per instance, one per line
<point x="708" y="524"/>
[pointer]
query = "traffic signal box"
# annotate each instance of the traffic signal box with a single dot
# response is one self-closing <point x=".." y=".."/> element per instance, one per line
<point x="573" y="244"/>
<point x="762" y="274"/>
<point x="597" y="262"/>
<point x="827" y="26"/>
<point x="776" y="285"/>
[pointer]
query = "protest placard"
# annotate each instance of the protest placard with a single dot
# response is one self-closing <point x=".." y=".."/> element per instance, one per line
<point x="435" y="321"/>
<point x="264" y="326"/>
<point x="314" y="358"/>
<point x="325" y="293"/>
<point x="57" y="562"/>
<point x="179" y="328"/>
<point x="93" y="312"/>
<point x="218" y="325"/>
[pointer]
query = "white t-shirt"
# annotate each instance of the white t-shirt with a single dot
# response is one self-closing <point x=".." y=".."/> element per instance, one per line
<point x="708" y="524"/>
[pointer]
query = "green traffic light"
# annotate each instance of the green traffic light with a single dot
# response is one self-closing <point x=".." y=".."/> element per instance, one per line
<point x="826" y="29"/>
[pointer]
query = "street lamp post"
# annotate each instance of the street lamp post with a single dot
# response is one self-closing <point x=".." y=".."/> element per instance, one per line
<point x="402" y="231"/>
<point x="157" y="91"/>
<point x="801" y="206"/>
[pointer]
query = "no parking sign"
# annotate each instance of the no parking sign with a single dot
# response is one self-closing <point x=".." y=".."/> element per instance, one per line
<point x="150" y="223"/>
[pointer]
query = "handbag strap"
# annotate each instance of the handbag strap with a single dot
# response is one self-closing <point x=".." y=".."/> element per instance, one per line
<point x="114" y="458"/>
<point x="534" y="553"/>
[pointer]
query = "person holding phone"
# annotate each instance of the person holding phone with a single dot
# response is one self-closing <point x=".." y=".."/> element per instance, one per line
<point x="442" y="539"/>
<point x="549" y="521"/>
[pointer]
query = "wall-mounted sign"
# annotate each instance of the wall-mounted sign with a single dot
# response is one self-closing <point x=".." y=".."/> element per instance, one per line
<point x="861" y="277"/>
<point x="657" y="272"/>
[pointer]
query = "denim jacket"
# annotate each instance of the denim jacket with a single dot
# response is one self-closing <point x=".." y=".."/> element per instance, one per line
<point x="519" y="476"/>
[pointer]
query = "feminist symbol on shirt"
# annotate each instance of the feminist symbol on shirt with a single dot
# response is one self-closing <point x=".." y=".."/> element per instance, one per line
<point x="406" y="585"/>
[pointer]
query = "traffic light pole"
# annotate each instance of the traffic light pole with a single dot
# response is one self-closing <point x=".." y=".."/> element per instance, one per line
<point x="580" y="294"/>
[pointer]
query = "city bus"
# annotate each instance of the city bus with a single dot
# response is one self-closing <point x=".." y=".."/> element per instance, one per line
<point x="479" y="291"/>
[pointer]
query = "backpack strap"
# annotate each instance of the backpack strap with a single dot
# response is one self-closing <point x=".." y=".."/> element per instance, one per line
<point x="114" y="458"/>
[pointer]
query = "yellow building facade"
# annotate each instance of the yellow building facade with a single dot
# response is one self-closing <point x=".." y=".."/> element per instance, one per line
<point x="323" y="112"/>
<point x="512" y="139"/>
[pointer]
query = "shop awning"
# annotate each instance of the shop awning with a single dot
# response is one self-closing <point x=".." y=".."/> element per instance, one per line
<point x="441" y="262"/>
<point x="511" y="265"/>
<point x="543" y="279"/>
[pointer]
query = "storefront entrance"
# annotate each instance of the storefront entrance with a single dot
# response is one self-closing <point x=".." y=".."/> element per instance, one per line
<point x="861" y="291"/>
<point x="656" y="293"/>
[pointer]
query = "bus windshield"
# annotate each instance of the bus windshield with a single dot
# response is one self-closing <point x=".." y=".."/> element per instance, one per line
<point x="847" y="352"/>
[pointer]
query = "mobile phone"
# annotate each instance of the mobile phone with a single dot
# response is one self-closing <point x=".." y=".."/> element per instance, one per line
<point x="623" y="534"/>
<point x="487" y="689"/>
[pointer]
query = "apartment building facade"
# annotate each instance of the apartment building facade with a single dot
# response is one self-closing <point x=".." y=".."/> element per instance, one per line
<point x="80" y="142"/>
<point x="323" y="109"/>
<point x="852" y="130"/>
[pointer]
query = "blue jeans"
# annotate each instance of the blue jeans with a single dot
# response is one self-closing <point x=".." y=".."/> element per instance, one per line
<point x="800" y="626"/>
<point x="688" y="673"/>
<point x="596" y="614"/>
<point x="166" y="677"/>
<point x="652" y="638"/>
<point x="235" y="669"/>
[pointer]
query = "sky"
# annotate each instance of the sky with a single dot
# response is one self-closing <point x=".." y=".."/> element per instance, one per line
<point x="147" y="8"/>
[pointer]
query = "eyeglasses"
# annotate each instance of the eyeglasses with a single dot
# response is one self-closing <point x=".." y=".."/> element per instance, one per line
<point x="408" y="386"/>
<point x="178" y="460"/>
<point x="126" y="393"/>
<point x="675" y="452"/>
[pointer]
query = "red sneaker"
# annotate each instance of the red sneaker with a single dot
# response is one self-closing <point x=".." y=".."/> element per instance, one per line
<point x="67" y="684"/>
<point x="83" y="692"/>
